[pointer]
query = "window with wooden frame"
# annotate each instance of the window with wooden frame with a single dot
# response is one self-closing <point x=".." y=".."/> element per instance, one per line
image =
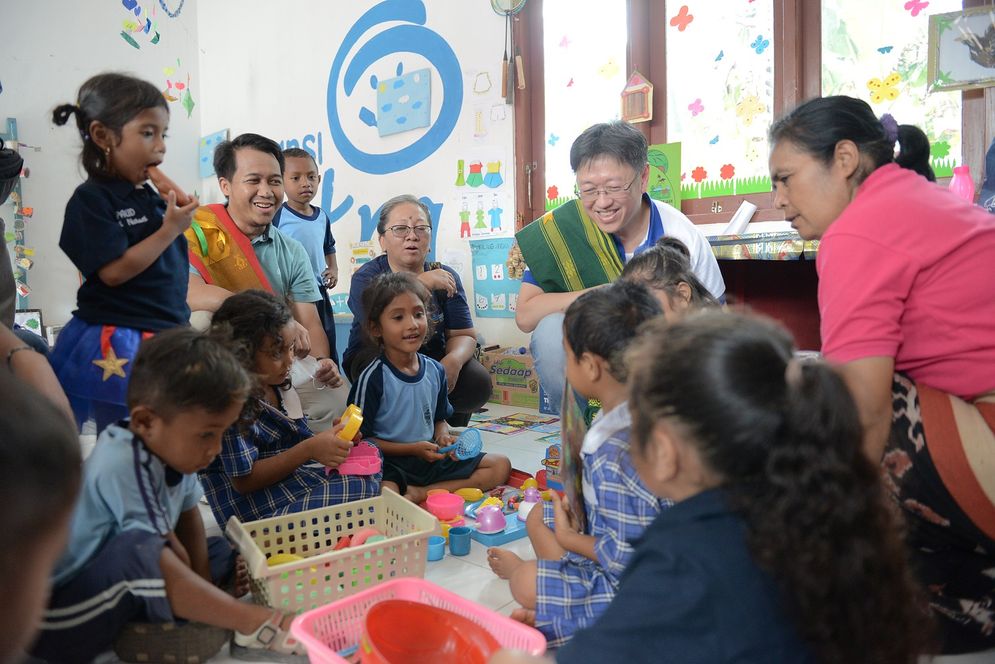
<point x="785" y="51"/>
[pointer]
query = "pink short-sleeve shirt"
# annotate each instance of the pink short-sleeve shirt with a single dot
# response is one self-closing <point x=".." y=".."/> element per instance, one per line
<point x="908" y="271"/>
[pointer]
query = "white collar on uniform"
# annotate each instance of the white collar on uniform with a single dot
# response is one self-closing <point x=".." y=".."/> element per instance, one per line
<point x="605" y="425"/>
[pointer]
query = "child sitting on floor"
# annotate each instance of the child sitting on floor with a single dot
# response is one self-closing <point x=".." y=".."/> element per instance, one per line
<point x="665" y="269"/>
<point x="577" y="573"/>
<point x="403" y="396"/>
<point x="137" y="550"/>
<point x="274" y="465"/>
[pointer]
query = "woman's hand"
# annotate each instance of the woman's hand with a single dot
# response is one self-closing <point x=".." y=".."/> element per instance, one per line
<point x="453" y="368"/>
<point x="439" y="279"/>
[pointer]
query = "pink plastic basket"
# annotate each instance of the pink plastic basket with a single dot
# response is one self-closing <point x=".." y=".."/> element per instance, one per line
<point x="338" y="626"/>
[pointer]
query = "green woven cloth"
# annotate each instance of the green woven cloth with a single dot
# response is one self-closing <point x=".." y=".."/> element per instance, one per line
<point x="565" y="251"/>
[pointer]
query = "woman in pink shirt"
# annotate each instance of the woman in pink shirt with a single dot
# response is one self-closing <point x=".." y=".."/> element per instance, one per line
<point x="907" y="304"/>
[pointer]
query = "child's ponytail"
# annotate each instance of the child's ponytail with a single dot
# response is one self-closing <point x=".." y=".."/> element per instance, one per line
<point x="113" y="100"/>
<point x="60" y="115"/>
<point x="786" y="440"/>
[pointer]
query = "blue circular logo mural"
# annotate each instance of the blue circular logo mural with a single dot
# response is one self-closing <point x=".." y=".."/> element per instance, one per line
<point x="410" y="37"/>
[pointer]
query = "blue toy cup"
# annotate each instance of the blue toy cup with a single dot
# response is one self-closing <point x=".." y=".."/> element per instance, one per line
<point x="436" y="547"/>
<point x="459" y="541"/>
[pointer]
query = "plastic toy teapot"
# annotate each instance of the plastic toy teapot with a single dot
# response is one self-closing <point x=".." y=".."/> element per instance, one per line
<point x="531" y="499"/>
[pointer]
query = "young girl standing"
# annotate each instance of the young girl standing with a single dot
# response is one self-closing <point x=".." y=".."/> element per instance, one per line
<point x="403" y="396"/>
<point x="577" y="573"/>
<point x="781" y="546"/>
<point x="273" y="464"/>
<point x="124" y="239"/>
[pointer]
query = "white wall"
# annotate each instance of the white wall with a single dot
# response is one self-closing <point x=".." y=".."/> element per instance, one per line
<point x="47" y="50"/>
<point x="266" y="68"/>
<point x="263" y="67"/>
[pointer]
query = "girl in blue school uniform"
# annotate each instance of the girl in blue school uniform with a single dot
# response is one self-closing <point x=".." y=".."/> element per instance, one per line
<point x="404" y="397"/>
<point x="781" y="545"/>
<point x="577" y="571"/>
<point x="125" y="240"/>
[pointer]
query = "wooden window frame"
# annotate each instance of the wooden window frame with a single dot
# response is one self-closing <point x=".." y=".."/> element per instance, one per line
<point x="797" y="76"/>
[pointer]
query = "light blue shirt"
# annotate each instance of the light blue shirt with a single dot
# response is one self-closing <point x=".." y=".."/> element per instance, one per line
<point x="312" y="232"/>
<point x="125" y="487"/>
<point x="398" y="407"/>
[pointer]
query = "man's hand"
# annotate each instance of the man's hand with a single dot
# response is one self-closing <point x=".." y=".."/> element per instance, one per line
<point x="301" y="340"/>
<point x="439" y="279"/>
<point x="328" y="373"/>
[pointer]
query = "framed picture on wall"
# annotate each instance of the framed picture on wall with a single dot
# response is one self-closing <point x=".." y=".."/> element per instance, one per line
<point x="30" y="319"/>
<point x="961" y="49"/>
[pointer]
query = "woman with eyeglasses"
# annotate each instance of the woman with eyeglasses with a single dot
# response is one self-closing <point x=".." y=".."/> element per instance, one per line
<point x="405" y="232"/>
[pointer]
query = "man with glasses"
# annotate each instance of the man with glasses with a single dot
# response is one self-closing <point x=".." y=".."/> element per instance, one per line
<point x="405" y="229"/>
<point x="585" y="242"/>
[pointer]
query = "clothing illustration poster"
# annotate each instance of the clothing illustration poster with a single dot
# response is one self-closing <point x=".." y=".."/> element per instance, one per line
<point x="495" y="294"/>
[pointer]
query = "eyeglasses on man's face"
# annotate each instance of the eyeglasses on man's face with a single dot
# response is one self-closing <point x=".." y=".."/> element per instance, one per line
<point x="611" y="191"/>
<point x="403" y="230"/>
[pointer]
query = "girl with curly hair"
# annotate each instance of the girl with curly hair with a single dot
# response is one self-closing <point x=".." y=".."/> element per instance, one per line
<point x="272" y="463"/>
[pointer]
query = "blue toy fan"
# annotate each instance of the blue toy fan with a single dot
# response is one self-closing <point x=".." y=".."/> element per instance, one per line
<point x="467" y="446"/>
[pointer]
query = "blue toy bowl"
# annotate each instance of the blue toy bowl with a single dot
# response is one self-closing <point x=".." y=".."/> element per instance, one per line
<point x="436" y="547"/>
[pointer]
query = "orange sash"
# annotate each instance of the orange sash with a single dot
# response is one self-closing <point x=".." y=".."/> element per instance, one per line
<point x="221" y="253"/>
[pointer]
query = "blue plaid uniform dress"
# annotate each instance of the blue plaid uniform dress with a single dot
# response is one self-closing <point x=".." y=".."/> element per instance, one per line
<point x="308" y="487"/>
<point x="573" y="591"/>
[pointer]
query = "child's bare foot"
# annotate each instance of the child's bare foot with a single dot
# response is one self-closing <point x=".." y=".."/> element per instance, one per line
<point x="523" y="615"/>
<point x="503" y="562"/>
<point x="240" y="578"/>
<point x="416" y="494"/>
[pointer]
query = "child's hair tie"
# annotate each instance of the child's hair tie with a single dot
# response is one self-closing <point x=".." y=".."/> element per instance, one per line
<point x="890" y="126"/>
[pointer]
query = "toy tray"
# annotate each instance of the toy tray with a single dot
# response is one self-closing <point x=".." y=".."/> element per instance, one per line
<point x="514" y="529"/>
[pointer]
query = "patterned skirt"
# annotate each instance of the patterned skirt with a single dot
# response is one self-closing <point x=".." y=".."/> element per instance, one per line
<point x="931" y="480"/>
<point x="93" y="364"/>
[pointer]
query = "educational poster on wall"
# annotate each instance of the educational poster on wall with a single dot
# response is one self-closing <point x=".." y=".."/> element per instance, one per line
<point x="664" y="182"/>
<point x="361" y="253"/>
<point x="495" y="293"/>
<point x="484" y="214"/>
<point x="205" y="151"/>
<point x="482" y="195"/>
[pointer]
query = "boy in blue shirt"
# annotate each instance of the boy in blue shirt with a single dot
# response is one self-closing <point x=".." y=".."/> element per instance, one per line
<point x="309" y="225"/>
<point x="137" y="550"/>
